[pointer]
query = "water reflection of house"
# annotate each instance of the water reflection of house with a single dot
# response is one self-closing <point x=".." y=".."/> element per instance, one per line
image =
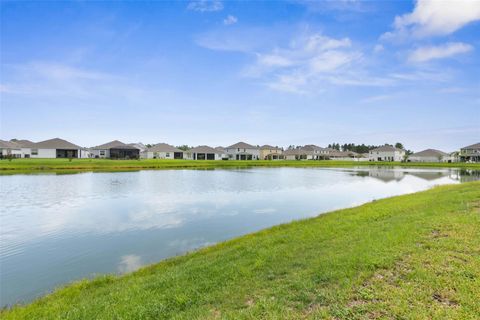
<point x="386" y="175"/>
<point x="467" y="175"/>
<point x="429" y="175"/>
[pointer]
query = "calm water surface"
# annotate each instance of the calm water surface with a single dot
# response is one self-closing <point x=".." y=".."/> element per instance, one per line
<point x="59" y="228"/>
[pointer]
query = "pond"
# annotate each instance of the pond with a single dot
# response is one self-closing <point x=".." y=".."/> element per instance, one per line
<point x="59" y="228"/>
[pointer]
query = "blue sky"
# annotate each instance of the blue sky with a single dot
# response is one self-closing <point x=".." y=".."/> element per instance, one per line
<point x="264" y="72"/>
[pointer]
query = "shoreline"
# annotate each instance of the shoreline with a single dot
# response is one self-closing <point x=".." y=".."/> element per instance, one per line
<point x="332" y="257"/>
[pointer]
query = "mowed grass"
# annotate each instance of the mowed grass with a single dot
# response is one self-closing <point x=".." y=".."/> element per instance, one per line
<point x="408" y="257"/>
<point x="34" y="165"/>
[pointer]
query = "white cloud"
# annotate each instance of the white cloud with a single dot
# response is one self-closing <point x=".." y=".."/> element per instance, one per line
<point x="424" y="54"/>
<point x="230" y="20"/>
<point x="205" y="5"/>
<point x="434" y="18"/>
<point x="378" y="48"/>
<point x="308" y="59"/>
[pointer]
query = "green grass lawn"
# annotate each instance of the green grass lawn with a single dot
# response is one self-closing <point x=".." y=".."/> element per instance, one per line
<point x="33" y="165"/>
<point x="408" y="257"/>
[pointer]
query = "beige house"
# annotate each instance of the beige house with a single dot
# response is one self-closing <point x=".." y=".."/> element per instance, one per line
<point x="430" y="155"/>
<point x="299" y="154"/>
<point x="268" y="152"/>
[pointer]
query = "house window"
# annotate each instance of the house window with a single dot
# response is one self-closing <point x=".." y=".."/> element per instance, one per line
<point x="34" y="152"/>
<point x="102" y="152"/>
<point x="168" y="154"/>
<point x="238" y="149"/>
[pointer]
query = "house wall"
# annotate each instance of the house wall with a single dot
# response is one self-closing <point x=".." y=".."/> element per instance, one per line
<point x="44" y="153"/>
<point x="234" y="151"/>
<point x="17" y="153"/>
<point x="159" y="155"/>
<point x="429" y="159"/>
<point x="97" y="153"/>
<point x="386" y="155"/>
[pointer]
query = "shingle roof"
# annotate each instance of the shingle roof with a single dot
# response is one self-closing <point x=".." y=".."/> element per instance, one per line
<point x="242" y="145"/>
<point x="115" y="144"/>
<point x="297" y="151"/>
<point x="473" y="146"/>
<point x="269" y="147"/>
<point x="313" y="147"/>
<point x="163" y="147"/>
<point x="9" y="145"/>
<point x="24" y="143"/>
<point x="429" y="153"/>
<point x="204" y="149"/>
<point x="221" y="149"/>
<point x="387" y="148"/>
<point x="341" y="154"/>
<point x="56" y="143"/>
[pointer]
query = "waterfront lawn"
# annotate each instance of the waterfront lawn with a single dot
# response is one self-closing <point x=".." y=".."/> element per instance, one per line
<point x="39" y="165"/>
<point x="407" y="257"/>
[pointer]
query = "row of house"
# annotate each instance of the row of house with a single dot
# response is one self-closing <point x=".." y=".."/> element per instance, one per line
<point x="59" y="148"/>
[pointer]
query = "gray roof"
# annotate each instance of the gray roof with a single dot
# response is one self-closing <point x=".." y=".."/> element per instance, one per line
<point x="297" y="151"/>
<point x="24" y="143"/>
<point x="242" y="145"/>
<point x="473" y="146"/>
<point x="204" y="149"/>
<point x="313" y="147"/>
<point x="429" y="153"/>
<point x="163" y="147"/>
<point x="269" y="147"/>
<point x="56" y="143"/>
<point x="9" y="145"/>
<point x="342" y="154"/>
<point x="221" y="149"/>
<point x="387" y="148"/>
<point x="115" y="144"/>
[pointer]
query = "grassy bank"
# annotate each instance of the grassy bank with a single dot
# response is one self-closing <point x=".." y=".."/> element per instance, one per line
<point x="408" y="257"/>
<point x="34" y="165"/>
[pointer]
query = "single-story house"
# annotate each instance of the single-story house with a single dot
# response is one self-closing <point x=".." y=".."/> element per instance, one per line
<point x="299" y="154"/>
<point x="9" y="149"/>
<point x="242" y="151"/>
<point x="430" y="155"/>
<point x="203" y="153"/>
<point x="386" y="153"/>
<point x="115" y="150"/>
<point x="163" y="151"/>
<point x="55" y="148"/>
<point x="470" y="153"/>
<point x="347" y="156"/>
<point x="268" y="152"/>
<point x="26" y="147"/>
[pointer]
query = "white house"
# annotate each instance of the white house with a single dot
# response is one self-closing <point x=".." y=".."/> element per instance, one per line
<point x="55" y="148"/>
<point x="10" y="149"/>
<point x="242" y="151"/>
<point x="26" y="147"/>
<point x="470" y="153"/>
<point x="222" y="152"/>
<point x="163" y="151"/>
<point x="386" y="153"/>
<point x="430" y="155"/>
<point x="115" y="150"/>
<point x="203" y="153"/>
